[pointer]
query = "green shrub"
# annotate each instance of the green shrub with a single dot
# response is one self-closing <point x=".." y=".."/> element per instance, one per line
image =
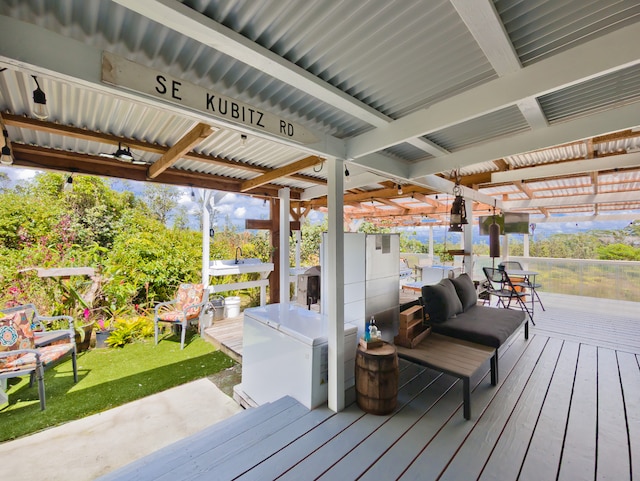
<point x="130" y="330"/>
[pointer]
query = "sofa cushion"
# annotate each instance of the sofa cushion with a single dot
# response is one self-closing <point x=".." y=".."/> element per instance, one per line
<point x="466" y="291"/>
<point x="441" y="301"/>
<point x="489" y="326"/>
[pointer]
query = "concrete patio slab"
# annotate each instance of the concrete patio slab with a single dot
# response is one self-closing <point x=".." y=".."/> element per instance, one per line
<point x="93" y="446"/>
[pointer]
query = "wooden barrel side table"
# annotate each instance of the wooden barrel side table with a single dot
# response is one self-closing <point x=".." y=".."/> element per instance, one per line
<point x="377" y="379"/>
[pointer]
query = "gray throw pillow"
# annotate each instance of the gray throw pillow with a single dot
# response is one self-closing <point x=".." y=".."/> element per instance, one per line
<point x="441" y="301"/>
<point x="466" y="291"/>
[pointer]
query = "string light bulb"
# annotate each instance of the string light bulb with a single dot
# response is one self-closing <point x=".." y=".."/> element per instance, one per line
<point x="40" y="109"/>
<point x="68" y="185"/>
<point x="6" y="158"/>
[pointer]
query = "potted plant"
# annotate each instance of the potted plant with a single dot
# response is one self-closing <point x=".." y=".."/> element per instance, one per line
<point x="103" y="331"/>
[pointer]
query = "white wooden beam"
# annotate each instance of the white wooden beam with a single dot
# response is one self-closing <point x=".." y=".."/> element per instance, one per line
<point x="608" y="53"/>
<point x="611" y="120"/>
<point x="335" y="278"/>
<point x="443" y="185"/>
<point x="584" y="218"/>
<point x="568" y="168"/>
<point x="514" y="205"/>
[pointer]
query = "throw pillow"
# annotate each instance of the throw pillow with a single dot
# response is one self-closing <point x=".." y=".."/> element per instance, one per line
<point x="441" y="301"/>
<point x="466" y="291"/>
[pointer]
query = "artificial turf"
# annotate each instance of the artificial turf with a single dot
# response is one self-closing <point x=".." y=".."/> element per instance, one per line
<point x="106" y="378"/>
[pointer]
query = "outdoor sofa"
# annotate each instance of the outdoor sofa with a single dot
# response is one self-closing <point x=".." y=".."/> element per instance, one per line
<point x="451" y="308"/>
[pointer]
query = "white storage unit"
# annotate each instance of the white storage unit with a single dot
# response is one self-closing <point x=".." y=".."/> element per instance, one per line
<point x="371" y="280"/>
<point x="285" y="352"/>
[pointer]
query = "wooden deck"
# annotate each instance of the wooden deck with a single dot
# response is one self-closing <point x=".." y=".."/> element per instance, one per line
<point x="226" y="335"/>
<point x="566" y="408"/>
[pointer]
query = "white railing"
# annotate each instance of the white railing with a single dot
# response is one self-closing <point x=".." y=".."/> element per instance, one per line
<point x="579" y="277"/>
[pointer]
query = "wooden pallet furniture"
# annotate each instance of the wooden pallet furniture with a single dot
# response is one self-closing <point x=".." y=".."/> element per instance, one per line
<point x="411" y="329"/>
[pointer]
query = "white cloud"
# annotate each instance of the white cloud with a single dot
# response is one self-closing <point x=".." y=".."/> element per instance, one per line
<point x="240" y="212"/>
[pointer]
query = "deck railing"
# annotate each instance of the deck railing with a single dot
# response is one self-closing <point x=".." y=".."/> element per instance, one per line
<point x="580" y="277"/>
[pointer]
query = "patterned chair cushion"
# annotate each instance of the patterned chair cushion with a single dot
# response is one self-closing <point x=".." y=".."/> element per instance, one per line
<point x="188" y="295"/>
<point x="15" y="333"/>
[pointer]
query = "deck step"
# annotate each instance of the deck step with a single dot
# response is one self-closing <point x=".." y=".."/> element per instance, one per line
<point x="240" y="427"/>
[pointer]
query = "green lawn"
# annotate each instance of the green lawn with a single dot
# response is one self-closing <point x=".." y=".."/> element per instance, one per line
<point x="106" y="378"/>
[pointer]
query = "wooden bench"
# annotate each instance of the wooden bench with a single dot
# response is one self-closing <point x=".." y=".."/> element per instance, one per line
<point x="455" y="357"/>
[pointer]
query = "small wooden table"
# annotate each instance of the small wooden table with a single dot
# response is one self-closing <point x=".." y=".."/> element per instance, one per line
<point x="455" y="357"/>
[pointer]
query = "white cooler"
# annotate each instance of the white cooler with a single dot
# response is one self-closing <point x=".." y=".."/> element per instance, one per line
<point x="285" y="352"/>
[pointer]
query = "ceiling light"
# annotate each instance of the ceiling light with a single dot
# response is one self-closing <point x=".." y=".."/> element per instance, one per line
<point x="124" y="154"/>
<point x="346" y="174"/>
<point x="243" y="140"/>
<point x="399" y="189"/>
<point x="40" y="109"/>
<point x="6" y="158"/>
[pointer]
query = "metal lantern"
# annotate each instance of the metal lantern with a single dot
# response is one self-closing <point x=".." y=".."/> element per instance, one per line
<point x="458" y="216"/>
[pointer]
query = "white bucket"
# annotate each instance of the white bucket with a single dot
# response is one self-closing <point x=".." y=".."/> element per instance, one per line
<point x="231" y="306"/>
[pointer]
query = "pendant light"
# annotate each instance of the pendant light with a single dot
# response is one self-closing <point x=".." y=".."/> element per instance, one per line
<point x="458" y="216"/>
<point x="494" y="236"/>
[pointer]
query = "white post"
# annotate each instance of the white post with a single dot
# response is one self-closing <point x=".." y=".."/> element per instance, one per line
<point x="335" y="274"/>
<point x="431" y="243"/>
<point x="526" y="245"/>
<point x="283" y="195"/>
<point x="467" y="240"/>
<point x="206" y="225"/>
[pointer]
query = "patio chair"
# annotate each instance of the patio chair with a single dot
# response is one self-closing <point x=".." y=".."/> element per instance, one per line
<point x="20" y="353"/>
<point x="501" y="286"/>
<point x="186" y="307"/>
<point x="524" y="282"/>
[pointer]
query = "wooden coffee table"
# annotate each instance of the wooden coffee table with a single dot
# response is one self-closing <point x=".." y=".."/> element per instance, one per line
<point x="455" y="357"/>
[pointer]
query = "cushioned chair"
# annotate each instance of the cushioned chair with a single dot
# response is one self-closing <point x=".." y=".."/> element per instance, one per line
<point x="21" y="354"/>
<point x="185" y="308"/>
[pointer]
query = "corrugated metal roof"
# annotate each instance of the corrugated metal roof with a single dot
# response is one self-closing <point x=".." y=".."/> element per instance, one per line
<point x="480" y="129"/>
<point x="394" y="57"/>
<point x="361" y="47"/>
<point x="541" y="28"/>
<point x="618" y="87"/>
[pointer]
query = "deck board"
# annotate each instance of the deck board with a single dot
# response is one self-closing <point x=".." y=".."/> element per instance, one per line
<point x="466" y="462"/>
<point x="630" y="380"/>
<point x="612" y="444"/>
<point x="565" y="408"/>
<point x="509" y="452"/>
<point x="579" y="450"/>
<point x="545" y="449"/>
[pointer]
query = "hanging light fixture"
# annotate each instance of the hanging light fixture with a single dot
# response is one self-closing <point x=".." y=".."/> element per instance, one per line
<point x="346" y="174"/>
<point x="68" y="185"/>
<point x="399" y="189"/>
<point x="494" y="236"/>
<point x="124" y="154"/>
<point x="6" y="158"/>
<point x="40" y="109"/>
<point x="243" y="140"/>
<point x="458" y="210"/>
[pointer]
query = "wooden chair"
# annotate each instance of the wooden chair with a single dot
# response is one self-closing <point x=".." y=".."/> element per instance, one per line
<point x="21" y="354"/>
<point x="186" y="307"/>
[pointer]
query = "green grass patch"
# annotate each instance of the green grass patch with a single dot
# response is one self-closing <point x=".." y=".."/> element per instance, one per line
<point x="106" y="378"/>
